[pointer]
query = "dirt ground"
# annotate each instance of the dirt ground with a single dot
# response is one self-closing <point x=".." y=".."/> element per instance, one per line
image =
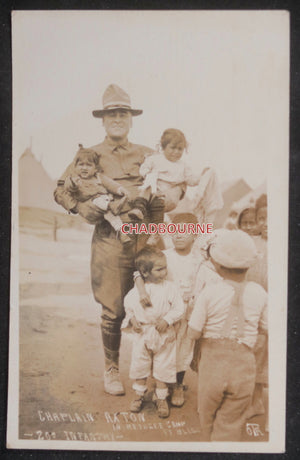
<point x="61" y="358"/>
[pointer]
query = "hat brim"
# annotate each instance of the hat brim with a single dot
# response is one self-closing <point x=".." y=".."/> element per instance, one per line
<point x="101" y="113"/>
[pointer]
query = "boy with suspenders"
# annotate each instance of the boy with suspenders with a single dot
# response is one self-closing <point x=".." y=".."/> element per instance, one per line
<point x="227" y="316"/>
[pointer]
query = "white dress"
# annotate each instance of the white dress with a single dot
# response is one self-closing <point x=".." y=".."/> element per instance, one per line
<point x="169" y="178"/>
<point x="151" y="349"/>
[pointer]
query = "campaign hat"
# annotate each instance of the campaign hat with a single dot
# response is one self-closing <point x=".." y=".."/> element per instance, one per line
<point x="115" y="98"/>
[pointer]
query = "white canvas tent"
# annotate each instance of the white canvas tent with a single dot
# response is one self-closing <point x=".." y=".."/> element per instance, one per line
<point x="35" y="186"/>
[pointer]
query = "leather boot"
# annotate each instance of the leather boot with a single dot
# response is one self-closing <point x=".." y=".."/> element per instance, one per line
<point x="157" y="208"/>
<point x="111" y="344"/>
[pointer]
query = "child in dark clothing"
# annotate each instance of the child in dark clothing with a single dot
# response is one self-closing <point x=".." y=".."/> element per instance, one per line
<point x="88" y="182"/>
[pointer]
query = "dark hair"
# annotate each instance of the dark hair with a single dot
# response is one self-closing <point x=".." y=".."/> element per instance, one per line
<point x="184" y="217"/>
<point x="245" y="211"/>
<point x="172" y="135"/>
<point x="86" y="154"/>
<point x="145" y="258"/>
<point x="261" y="202"/>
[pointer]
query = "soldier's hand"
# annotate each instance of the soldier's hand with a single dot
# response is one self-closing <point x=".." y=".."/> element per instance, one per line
<point x="70" y="184"/>
<point x="90" y="212"/>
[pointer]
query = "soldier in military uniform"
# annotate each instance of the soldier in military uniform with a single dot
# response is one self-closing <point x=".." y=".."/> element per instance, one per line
<point x="112" y="263"/>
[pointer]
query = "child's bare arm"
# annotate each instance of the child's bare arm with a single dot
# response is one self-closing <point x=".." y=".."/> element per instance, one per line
<point x="71" y="183"/>
<point x="140" y="285"/>
<point x="112" y="186"/>
<point x="147" y="166"/>
<point x="177" y="309"/>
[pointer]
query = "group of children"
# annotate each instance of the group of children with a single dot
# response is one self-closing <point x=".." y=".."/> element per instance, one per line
<point x="185" y="307"/>
<point x="180" y="297"/>
<point x="171" y="275"/>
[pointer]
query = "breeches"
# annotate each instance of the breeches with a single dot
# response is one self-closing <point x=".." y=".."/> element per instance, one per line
<point x="112" y="268"/>
<point x="162" y="362"/>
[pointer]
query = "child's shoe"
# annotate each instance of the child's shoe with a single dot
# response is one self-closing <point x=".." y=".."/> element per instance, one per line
<point x="139" y="209"/>
<point x="116" y="206"/>
<point x="137" y="404"/>
<point x="136" y="213"/>
<point x="162" y="408"/>
<point x="177" y="396"/>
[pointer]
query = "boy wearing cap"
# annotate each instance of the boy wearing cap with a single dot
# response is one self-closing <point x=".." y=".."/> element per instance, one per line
<point x="227" y="316"/>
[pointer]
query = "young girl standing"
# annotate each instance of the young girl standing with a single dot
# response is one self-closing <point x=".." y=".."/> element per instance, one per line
<point x="154" y="345"/>
<point x="183" y="265"/>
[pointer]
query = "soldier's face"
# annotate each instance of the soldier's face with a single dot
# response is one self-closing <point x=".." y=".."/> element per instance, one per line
<point x="117" y="124"/>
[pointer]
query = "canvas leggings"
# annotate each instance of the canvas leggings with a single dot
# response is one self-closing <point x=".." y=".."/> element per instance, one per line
<point x="112" y="268"/>
<point x="112" y="277"/>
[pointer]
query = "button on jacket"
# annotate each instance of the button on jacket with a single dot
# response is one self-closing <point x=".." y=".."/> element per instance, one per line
<point x="112" y="266"/>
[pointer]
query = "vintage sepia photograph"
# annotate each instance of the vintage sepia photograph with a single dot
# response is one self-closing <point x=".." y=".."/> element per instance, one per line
<point x="149" y="230"/>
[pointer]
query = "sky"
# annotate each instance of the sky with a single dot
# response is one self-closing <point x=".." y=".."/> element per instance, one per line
<point x="220" y="77"/>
